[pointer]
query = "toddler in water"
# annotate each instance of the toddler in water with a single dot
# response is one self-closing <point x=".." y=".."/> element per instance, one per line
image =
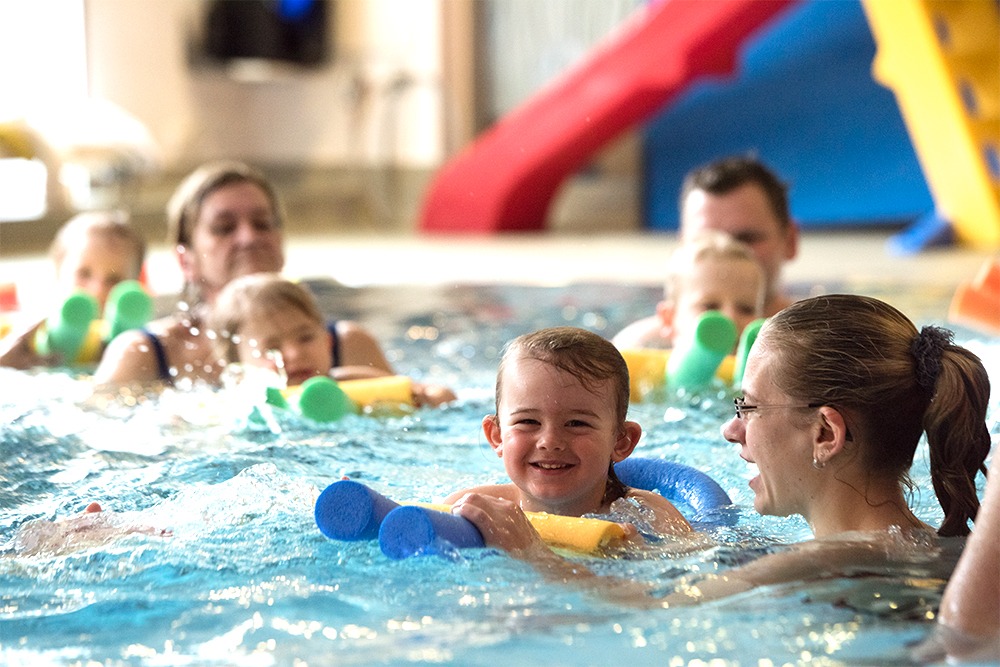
<point x="710" y="271"/>
<point x="95" y="251"/>
<point x="560" y="426"/>
<point x="267" y="321"/>
<point x="92" y="253"/>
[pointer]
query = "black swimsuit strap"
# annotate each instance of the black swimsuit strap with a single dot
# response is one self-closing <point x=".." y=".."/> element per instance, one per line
<point x="162" y="368"/>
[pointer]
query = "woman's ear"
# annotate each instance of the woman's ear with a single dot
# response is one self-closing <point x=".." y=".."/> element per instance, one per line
<point x="185" y="261"/>
<point x="491" y="429"/>
<point x="627" y="440"/>
<point x="832" y="436"/>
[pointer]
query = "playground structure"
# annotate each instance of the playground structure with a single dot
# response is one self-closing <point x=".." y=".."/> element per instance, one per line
<point x="939" y="57"/>
<point x="942" y="60"/>
<point x="505" y="180"/>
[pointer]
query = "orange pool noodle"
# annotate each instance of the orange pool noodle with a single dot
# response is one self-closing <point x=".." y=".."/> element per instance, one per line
<point x="8" y="296"/>
<point x="977" y="303"/>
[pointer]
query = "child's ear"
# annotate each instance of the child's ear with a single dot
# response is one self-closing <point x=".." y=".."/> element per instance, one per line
<point x="627" y="440"/>
<point x="491" y="429"/>
<point x="665" y="311"/>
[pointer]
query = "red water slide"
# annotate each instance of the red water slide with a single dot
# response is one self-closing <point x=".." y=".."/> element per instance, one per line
<point x="506" y="178"/>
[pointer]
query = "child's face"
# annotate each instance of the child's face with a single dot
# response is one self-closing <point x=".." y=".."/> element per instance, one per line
<point x="556" y="437"/>
<point x="97" y="265"/>
<point x="286" y="338"/>
<point x="730" y="286"/>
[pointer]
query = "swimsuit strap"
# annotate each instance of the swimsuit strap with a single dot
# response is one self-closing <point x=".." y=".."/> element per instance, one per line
<point x="163" y="369"/>
<point x="331" y="326"/>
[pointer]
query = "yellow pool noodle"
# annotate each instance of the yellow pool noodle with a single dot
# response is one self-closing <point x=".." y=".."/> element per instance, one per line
<point x="397" y="389"/>
<point x="581" y="534"/>
<point x="647" y="370"/>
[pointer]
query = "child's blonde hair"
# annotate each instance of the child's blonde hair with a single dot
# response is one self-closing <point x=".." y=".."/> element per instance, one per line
<point x="708" y="244"/>
<point x="252" y="296"/>
<point x="110" y="224"/>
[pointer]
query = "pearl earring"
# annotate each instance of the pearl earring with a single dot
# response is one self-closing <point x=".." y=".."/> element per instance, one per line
<point x="819" y="465"/>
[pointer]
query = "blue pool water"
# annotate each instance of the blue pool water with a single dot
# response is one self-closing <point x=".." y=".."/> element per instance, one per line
<point x="245" y="578"/>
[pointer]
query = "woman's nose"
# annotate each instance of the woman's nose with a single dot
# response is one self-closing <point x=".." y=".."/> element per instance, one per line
<point x="732" y="430"/>
<point x="246" y="232"/>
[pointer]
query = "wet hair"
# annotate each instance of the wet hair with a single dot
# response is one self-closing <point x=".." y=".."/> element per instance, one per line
<point x="727" y="174"/>
<point x="892" y="383"/>
<point x="184" y="206"/>
<point x="709" y="244"/>
<point x="253" y="296"/>
<point x="110" y="224"/>
<point x="587" y="356"/>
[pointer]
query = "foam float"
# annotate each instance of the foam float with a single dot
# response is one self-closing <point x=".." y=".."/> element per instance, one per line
<point x="350" y="511"/>
<point x="977" y="303"/>
<point x="323" y="399"/>
<point x="78" y="336"/>
<point x="695" y="363"/>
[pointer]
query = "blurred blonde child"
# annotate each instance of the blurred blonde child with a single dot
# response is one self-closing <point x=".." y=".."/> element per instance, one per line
<point x="710" y="271"/>
<point x="95" y="251"/>
<point x="267" y="321"/>
<point x="92" y="252"/>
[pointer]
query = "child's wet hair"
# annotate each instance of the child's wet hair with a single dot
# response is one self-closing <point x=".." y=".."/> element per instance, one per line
<point x="258" y="294"/>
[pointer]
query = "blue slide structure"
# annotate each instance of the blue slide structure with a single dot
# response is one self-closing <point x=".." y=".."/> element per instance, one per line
<point x="805" y="102"/>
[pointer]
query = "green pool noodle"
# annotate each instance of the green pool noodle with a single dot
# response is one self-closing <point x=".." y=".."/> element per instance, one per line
<point x="129" y="306"/>
<point x="693" y="362"/>
<point x="66" y="329"/>
<point x="275" y="397"/>
<point x="322" y="400"/>
<point x="747" y="339"/>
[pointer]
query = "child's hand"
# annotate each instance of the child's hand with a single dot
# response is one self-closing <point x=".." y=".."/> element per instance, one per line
<point x="431" y="395"/>
<point x="92" y="527"/>
<point x="17" y="350"/>
<point x="502" y="524"/>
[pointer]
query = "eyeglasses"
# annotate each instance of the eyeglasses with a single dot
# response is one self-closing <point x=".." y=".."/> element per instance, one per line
<point x="742" y="408"/>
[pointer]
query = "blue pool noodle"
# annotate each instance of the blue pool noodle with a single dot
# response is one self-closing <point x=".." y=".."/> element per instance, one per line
<point x="679" y="483"/>
<point x="348" y="510"/>
<point x="410" y="530"/>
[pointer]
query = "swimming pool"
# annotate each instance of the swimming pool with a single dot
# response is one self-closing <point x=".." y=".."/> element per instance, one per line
<point x="247" y="579"/>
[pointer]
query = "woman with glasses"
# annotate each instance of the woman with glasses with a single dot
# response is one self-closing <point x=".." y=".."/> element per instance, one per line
<point x="837" y="392"/>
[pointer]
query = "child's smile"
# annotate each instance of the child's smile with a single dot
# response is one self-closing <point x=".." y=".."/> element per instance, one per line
<point x="557" y="437"/>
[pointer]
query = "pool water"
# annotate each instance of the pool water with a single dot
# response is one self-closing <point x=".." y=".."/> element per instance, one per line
<point x="245" y="578"/>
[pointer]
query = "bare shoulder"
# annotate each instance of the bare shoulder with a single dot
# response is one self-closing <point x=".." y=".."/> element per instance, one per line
<point x="358" y="347"/>
<point x="129" y="357"/>
<point x="669" y="519"/>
